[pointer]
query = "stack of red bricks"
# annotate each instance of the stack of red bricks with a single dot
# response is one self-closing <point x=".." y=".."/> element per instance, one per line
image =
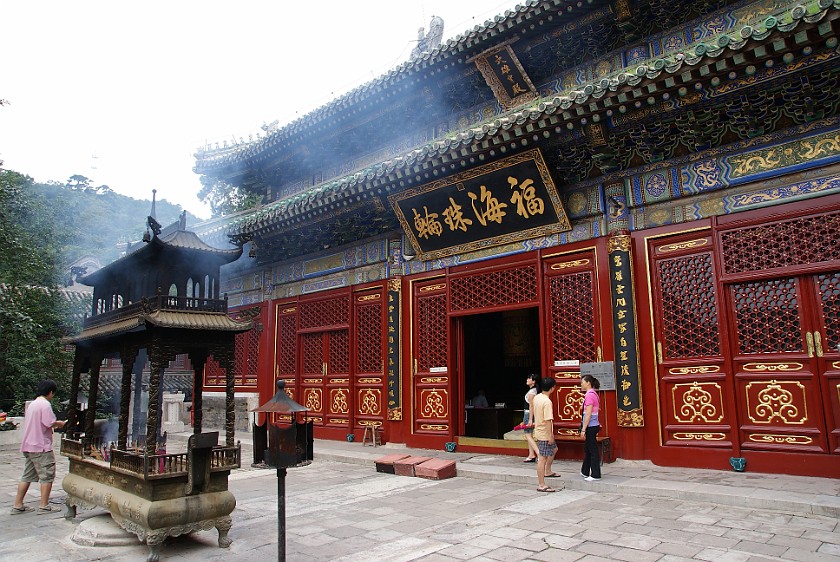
<point x="409" y="465"/>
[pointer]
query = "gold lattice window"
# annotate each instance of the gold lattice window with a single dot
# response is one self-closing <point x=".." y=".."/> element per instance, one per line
<point x="689" y="307"/>
<point x="369" y="338"/>
<point x="573" y="317"/>
<point x="504" y="287"/>
<point x="767" y="316"/>
<point x="801" y="241"/>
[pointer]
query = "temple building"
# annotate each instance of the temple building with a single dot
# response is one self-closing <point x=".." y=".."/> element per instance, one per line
<point x="646" y="188"/>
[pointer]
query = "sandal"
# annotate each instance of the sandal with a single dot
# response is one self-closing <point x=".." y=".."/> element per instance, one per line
<point x="23" y="509"/>
<point x="546" y="489"/>
<point x="48" y="509"/>
<point x="532" y="459"/>
<point x="552" y="475"/>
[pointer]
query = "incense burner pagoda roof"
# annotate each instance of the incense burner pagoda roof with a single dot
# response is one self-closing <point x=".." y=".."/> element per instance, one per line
<point x="180" y="240"/>
<point x="168" y="319"/>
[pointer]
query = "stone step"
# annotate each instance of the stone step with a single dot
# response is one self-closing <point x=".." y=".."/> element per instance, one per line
<point x="406" y="466"/>
<point x="436" y="469"/>
<point x="386" y="464"/>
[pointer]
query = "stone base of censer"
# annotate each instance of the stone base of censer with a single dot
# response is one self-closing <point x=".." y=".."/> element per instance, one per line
<point x="102" y="530"/>
<point x="152" y="507"/>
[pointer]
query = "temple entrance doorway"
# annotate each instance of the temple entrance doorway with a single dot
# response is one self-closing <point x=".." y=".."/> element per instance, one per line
<point x="497" y="351"/>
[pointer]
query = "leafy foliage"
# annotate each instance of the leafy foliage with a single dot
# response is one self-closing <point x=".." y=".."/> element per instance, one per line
<point x="32" y="311"/>
<point x="225" y="199"/>
<point x="43" y="229"/>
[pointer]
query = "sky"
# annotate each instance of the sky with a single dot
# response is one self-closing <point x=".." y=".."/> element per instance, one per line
<point x="124" y="93"/>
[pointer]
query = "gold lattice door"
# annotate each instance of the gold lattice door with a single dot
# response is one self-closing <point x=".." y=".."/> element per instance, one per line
<point x="573" y="330"/>
<point x="432" y="384"/>
<point x="694" y="379"/>
<point x="784" y="364"/>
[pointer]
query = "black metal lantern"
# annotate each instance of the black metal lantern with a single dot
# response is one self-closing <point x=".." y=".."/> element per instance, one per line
<point x="288" y="447"/>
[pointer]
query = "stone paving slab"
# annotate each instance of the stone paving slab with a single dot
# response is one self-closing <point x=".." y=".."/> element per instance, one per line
<point x="340" y="508"/>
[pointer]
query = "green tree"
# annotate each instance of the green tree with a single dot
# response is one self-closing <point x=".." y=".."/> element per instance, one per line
<point x="33" y="312"/>
<point x="225" y="199"/>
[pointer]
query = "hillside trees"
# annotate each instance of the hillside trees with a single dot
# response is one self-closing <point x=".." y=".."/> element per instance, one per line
<point x="32" y="310"/>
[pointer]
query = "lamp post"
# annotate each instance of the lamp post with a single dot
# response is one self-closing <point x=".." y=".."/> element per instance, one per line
<point x="289" y="447"/>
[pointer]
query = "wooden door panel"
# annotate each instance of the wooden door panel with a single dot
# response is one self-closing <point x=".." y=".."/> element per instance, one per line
<point x="338" y="379"/>
<point x="431" y="382"/>
<point x="827" y="349"/>
<point x="692" y="377"/>
<point x="776" y="383"/>
<point x="369" y="361"/>
<point x="312" y="375"/>
<point x="573" y="330"/>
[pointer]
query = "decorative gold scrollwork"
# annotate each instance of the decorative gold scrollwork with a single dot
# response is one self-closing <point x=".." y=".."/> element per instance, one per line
<point x="780" y="439"/>
<point x="697" y="402"/>
<point x="434" y="406"/>
<point x="776" y="402"/>
<point x="339" y="402"/>
<point x="433" y="380"/>
<point x="572" y="405"/>
<point x="769" y="367"/>
<point x="694" y="370"/>
<point x="683" y="245"/>
<point x="434" y="427"/>
<point x="369" y="403"/>
<point x="633" y="418"/>
<point x="313" y="399"/>
<point x="567" y="264"/>
<point x="620" y="243"/>
<point x="365" y="298"/>
<point x="696" y="436"/>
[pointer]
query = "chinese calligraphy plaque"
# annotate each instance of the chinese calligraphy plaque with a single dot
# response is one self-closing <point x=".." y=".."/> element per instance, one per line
<point x="506" y="77"/>
<point x="394" y="392"/>
<point x="506" y="201"/>
<point x="628" y="384"/>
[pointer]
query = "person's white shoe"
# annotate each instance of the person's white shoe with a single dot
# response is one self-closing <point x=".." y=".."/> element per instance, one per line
<point x="590" y="479"/>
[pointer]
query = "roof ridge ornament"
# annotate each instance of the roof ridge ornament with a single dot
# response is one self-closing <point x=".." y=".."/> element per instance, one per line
<point x="426" y="43"/>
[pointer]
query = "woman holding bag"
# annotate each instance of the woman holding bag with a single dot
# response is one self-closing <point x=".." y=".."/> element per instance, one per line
<point x="591" y="469"/>
<point x="528" y="418"/>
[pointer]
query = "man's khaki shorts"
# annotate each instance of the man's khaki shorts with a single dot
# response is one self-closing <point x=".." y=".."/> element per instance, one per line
<point x="39" y="467"/>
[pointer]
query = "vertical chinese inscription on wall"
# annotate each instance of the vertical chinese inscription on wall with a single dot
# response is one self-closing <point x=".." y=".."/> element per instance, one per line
<point x="394" y="393"/>
<point x="505" y="76"/>
<point x="628" y="389"/>
<point x="505" y="201"/>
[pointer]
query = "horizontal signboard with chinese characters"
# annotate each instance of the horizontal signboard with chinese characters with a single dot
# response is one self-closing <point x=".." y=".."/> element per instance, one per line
<point x="506" y="201"/>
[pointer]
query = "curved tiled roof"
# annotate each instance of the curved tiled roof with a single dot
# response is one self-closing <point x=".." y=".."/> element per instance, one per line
<point x="472" y="39"/>
<point x="514" y="123"/>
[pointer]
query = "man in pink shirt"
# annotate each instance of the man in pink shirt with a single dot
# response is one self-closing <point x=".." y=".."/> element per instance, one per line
<point x="37" y="449"/>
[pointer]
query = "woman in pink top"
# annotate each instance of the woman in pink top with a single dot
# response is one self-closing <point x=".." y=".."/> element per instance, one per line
<point x="591" y="469"/>
<point x="37" y="448"/>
